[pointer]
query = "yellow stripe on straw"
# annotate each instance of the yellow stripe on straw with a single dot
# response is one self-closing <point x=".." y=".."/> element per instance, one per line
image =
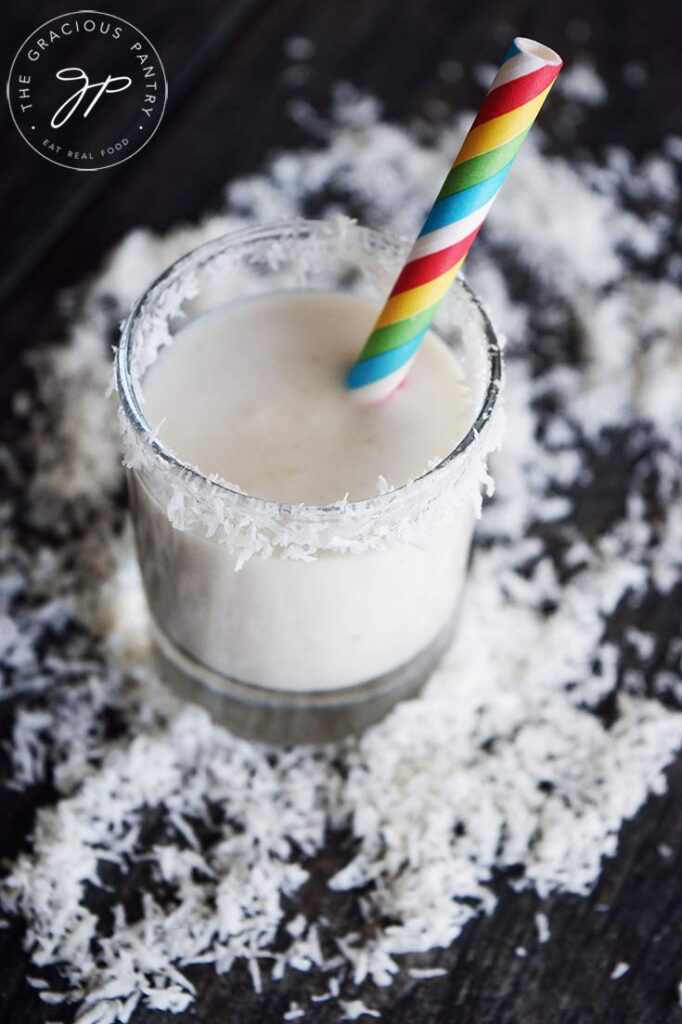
<point x="406" y="304"/>
<point x="504" y="128"/>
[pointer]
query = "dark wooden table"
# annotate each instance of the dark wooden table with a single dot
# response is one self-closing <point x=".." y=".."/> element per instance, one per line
<point x="226" y="113"/>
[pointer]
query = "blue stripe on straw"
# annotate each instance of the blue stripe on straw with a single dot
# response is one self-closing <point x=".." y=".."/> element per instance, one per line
<point x="461" y="204"/>
<point x="376" y="367"/>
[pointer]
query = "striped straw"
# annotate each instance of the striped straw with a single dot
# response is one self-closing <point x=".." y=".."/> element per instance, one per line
<point x="503" y="122"/>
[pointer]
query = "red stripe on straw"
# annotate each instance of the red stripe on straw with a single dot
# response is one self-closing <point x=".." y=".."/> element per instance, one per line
<point x="426" y="268"/>
<point x="515" y="93"/>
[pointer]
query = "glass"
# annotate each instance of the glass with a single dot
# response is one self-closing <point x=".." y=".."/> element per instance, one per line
<point x="299" y="623"/>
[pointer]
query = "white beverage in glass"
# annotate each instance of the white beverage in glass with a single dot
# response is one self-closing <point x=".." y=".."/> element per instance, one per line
<point x="295" y="544"/>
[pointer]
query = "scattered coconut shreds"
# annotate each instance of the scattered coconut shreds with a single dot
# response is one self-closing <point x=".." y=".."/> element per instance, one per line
<point x="619" y="970"/>
<point x="294" y="1012"/>
<point x="542" y="927"/>
<point x="582" y="84"/>
<point x="506" y="760"/>
<point x="356" y="1009"/>
<point x="426" y="973"/>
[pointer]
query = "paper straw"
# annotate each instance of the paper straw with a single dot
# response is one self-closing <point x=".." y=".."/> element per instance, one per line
<point x="513" y="102"/>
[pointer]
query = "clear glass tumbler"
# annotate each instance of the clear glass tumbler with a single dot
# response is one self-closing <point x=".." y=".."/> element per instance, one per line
<point x="299" y="623"/>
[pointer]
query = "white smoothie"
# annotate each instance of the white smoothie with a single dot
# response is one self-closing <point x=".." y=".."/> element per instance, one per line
<point x="254" y="393"/>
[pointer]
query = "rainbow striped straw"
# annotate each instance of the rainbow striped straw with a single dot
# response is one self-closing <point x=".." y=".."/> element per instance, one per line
<point x="513" y="102"/>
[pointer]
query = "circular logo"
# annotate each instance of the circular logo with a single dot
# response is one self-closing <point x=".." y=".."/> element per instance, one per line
<point x="87" y="90"/>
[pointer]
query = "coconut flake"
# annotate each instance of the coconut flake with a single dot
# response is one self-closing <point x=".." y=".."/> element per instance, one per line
<point x="619" y="970"/>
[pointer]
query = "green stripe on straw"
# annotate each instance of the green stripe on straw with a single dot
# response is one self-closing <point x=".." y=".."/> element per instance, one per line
<point x="394" y="335"/>
<point x="479" y="168"/>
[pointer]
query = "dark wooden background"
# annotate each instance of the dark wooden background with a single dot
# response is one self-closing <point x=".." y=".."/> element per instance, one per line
<point x="226" y="111"/>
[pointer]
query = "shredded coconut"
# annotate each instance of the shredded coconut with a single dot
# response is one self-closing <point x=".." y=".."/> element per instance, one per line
<point x="542" y="926"/>
<point x="507" y="759"/>
<point x="356" y="1009"/>
<point x="581" y="82"/>
<point x="619" y="970"/>
<point x="294" y="1012"/>
<point x="426" y="973"/>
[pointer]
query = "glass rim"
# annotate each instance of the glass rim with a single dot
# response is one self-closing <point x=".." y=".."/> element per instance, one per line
<point x="300" y="228"/>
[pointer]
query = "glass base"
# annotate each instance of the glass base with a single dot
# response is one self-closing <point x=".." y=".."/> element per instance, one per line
<point x="284" y="717"/>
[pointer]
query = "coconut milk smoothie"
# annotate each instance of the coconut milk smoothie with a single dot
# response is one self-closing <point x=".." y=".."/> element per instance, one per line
<point x="253" y="392"/>
<point x="300" y="550"/>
